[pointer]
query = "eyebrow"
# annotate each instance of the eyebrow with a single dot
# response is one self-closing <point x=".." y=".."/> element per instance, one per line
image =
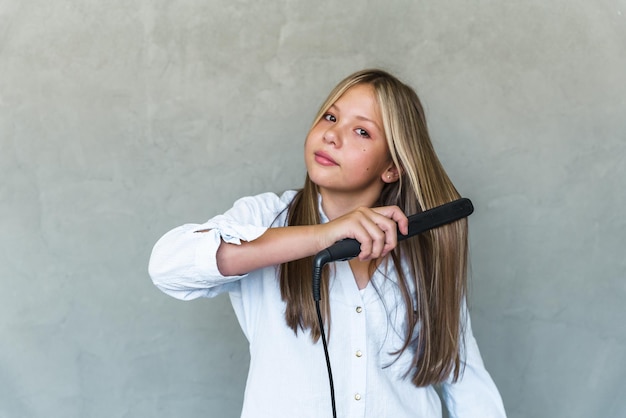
<point x="363" y="118"/>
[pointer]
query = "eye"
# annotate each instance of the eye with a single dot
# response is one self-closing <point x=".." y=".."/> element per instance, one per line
<point x="362" y="132"/>
<point x="329" y="117"/>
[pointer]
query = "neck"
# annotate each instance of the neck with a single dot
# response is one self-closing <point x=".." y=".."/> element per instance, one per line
<point x="336" y="204"/>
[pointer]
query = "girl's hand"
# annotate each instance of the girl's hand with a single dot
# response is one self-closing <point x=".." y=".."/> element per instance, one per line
<point x="374" y="228"/>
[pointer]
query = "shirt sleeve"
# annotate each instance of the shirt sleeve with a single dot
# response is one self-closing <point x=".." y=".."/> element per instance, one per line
<point x="183" y="262"/>
<point x="474" y="395"/>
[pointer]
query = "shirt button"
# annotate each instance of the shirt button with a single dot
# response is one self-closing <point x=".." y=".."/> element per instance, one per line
<point x="359" y="309"/>
<point x="359" y="353"/>
<point x="357" y="397"/>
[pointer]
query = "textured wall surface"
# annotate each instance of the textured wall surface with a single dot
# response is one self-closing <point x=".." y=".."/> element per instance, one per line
<point x="122" y="119"/>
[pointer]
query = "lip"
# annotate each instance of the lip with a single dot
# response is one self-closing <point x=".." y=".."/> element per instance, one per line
<point x="324" y="159"/>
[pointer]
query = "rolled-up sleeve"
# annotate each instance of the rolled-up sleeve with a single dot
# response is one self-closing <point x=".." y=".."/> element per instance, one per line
<point x="183" y="262"/>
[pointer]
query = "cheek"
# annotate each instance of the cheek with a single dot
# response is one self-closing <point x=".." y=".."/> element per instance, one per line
<point x="312" y="135"/>
<point x="307" y="141"/>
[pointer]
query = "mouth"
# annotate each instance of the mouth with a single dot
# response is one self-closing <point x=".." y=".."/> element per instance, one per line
<point x="324" y="159"/>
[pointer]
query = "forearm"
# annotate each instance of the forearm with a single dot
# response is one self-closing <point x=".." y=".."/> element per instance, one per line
<point x="375" y="229"/>
<point x="275" y="246"/>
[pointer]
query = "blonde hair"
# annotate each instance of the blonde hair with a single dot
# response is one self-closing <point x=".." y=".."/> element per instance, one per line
<point x="437" y="259"/>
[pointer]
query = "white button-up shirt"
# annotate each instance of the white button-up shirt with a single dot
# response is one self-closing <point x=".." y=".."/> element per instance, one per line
<point x="287" y="376"/>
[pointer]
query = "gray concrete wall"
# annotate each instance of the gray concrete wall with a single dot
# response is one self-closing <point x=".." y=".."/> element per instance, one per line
<point x="121" y="119"/>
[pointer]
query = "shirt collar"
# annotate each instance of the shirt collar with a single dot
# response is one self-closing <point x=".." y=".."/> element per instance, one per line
<point x="323" y="218"/>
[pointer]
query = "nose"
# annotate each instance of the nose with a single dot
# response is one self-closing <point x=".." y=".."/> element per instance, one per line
<point x="331" y="136"/>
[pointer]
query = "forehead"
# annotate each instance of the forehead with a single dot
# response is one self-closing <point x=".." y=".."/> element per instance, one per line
<point x="360" y="98"/>
<point x="360" y="89"/>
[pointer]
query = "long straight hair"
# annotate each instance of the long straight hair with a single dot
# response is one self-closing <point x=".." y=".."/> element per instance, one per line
<point x="433" y="293"/>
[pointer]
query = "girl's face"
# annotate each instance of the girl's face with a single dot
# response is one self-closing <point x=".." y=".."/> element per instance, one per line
<point x="346" y="151"/>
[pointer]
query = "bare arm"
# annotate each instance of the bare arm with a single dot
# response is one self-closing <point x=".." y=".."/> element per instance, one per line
<point x="275" y="246"/>
<point x="374" y="228"/>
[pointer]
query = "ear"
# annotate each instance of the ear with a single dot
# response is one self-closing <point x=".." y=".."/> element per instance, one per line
<point x="391" y="174"/>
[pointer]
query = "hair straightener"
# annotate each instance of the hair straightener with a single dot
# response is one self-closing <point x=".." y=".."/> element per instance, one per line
<point x="350" y="248"/>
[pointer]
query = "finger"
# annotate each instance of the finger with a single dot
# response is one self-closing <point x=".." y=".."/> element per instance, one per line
<point x="397" y="215"/>
<point x="382" y="231"/>
<point x="391" y="238"/>
<point x="379" y="240"/>
<point x="371" y="239"/>
<point x="394" y="219"/>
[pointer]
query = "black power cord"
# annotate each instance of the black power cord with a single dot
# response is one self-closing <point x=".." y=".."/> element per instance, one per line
<point x="350" y="248"/>
<point x="330" y="372"/>
<point x="320" y="260"/>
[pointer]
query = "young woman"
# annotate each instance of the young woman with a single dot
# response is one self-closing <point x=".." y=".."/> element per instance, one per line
<point x="395" y="315"/>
